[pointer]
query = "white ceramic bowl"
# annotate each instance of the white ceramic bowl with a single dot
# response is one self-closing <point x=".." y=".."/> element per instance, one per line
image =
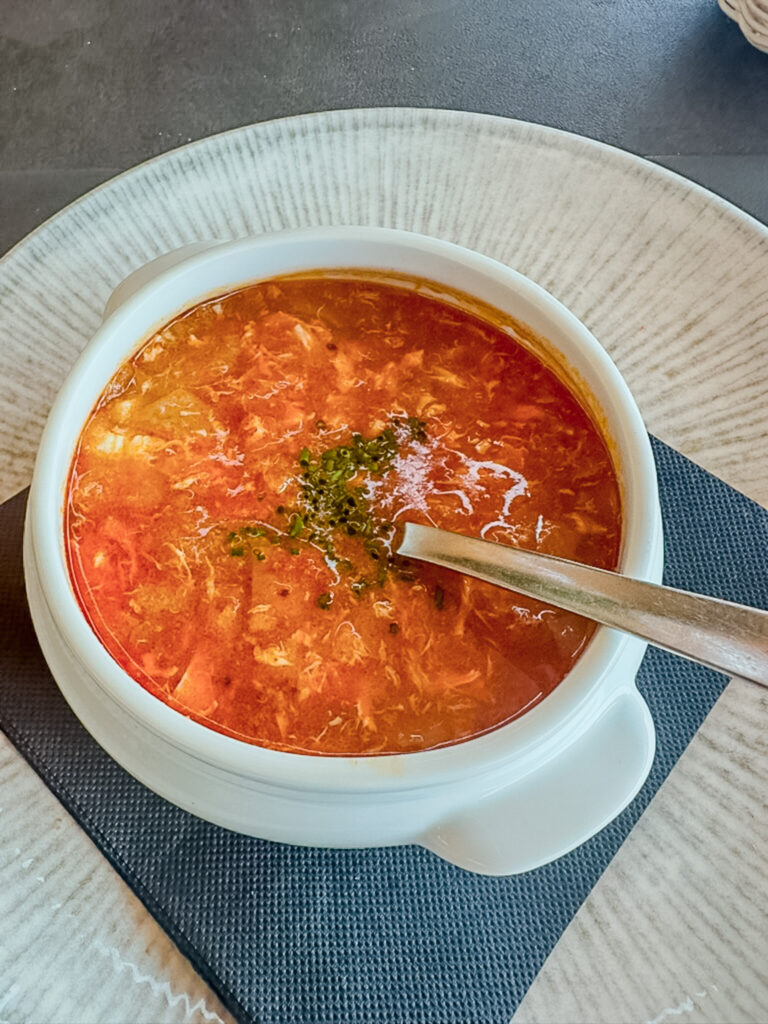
<point x="502" y="803"/>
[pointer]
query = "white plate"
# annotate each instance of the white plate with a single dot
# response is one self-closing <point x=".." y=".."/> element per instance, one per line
<point x="653" y="265"/>
<point x="672" y="281"/>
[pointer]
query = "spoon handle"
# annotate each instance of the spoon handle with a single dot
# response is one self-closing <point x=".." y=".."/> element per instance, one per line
<point x="731" y="638"/>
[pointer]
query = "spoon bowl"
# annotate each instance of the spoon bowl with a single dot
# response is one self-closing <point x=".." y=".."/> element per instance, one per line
<point x="731" y="638"/>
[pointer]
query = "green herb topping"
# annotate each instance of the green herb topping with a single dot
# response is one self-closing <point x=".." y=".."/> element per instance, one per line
<point x="329" y="506"/>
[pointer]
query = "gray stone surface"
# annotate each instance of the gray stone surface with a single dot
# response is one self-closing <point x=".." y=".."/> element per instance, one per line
<point x="27" y="198"/>
<point x="91" y="87"/>
<point x="98" y="83"/>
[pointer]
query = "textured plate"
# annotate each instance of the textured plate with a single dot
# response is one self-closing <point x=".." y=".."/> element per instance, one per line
<point x="655" y="266"/>
<point x="672" y="280"/>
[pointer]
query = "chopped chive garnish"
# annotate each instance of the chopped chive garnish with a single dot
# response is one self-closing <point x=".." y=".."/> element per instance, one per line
<point x="327" y="507"/>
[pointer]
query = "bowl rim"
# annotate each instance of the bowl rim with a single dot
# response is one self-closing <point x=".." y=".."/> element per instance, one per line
<point x="576" y="699"/>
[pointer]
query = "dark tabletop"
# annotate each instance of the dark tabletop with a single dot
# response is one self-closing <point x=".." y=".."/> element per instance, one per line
<point x="91" y="87"/>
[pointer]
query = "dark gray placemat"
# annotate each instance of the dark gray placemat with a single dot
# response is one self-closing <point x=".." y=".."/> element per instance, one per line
<point x="289" y="935"/>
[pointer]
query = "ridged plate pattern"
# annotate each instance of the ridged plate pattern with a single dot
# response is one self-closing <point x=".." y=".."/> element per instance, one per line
<point x="672" y="280"/>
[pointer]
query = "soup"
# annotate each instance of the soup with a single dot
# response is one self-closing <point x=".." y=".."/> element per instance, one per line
<point x="234" y="500"/>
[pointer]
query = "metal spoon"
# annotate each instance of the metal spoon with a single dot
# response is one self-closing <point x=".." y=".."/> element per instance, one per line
<point x="729" y="637"/>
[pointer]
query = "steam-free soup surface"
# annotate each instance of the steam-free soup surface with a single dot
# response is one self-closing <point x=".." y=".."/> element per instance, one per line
<point x="234" y="500"/>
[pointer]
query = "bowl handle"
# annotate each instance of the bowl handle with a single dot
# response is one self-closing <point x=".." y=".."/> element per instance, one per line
<point x="148" y="271"/>
<point x="558" y="806"/>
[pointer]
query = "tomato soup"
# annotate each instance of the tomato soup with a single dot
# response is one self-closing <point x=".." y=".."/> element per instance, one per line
<point x="234" y="501"/>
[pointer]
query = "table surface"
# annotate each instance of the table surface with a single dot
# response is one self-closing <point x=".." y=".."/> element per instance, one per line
<point x="91" y="87"/>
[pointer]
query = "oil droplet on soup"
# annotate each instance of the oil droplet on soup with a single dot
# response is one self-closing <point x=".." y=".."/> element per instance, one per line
<point x="235" y="495"/>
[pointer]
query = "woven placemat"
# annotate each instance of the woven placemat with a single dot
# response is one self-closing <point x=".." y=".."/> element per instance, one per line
<point x="288" y="935"/>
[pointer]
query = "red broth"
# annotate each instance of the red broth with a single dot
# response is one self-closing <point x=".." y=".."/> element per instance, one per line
<point x="233" y="505"/>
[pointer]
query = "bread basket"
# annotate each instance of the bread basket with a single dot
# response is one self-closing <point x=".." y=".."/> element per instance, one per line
<point x="752" y="18"/>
